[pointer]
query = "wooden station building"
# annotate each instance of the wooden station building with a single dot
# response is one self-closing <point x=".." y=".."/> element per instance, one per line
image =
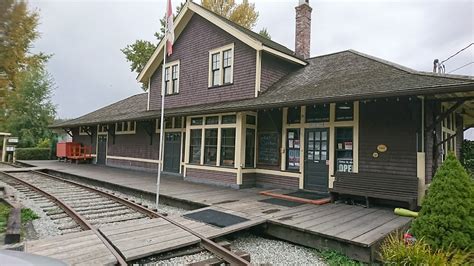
<point x="244" y="111"/>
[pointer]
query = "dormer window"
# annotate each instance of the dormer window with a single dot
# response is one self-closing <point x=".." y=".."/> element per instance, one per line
<point x="221" y="64"/>
<point x="172" y="78"/>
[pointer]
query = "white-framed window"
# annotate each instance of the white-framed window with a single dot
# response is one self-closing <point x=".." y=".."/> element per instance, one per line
<point x="172" y="78"/>
<point x="102" y="129"/>
<point x="213" y="140"/>
<point x="171" y="123"/>
<point x="221" y="66"/>
<point x="84" y="130"/>
<point x="126" y="127"/>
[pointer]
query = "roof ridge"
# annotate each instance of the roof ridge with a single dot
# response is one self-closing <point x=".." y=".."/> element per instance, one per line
<point x="243" y="29"/>
<point x="410" y="70"/>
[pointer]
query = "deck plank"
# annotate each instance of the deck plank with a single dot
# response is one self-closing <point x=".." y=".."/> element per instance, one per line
<point x="381" y="231"/>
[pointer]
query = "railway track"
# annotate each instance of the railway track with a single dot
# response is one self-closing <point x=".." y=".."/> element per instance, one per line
<point x="76" y="207"/>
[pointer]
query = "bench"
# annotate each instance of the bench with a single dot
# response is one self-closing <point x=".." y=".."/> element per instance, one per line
<point x="377" y="186"/>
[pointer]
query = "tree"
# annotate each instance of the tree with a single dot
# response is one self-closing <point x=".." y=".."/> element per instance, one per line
<point x="264" y="32"/>
<point x="467" y="155"/>
<point x="446" y="219"/>
<point x="30" y="107"/>
<point x="17" y="33"/>
<point x="244" y="14"/>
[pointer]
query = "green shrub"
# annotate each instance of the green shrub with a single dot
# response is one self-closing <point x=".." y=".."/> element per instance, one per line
<point x="467" y="155"/>
<point x="395" y="252"/>
<point x="28" y="215"/>
<point x="44" y="143"/>
<point x="446" y="219"/>
<point x="33" y="153"/>
<point x="334" y="258"/>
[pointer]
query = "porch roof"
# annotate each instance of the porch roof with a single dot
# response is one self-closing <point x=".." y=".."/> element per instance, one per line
<point x="342" y="76"/>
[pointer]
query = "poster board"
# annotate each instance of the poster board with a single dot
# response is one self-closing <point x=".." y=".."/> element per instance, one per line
<point x="268" y="148"/>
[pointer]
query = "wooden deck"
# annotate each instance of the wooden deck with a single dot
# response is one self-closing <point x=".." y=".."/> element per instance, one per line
<point x="353" y="230"/>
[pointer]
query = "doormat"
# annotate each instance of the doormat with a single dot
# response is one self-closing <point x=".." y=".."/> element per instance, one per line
<point x="216" y="218"/>
<point x="281" y="202"/>
<point x="308" y="195"/>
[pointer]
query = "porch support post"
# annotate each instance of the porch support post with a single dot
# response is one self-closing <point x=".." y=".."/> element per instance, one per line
<point x="332" y="143"/>
<point x="421" y="157"/>
<point x="187" y="144"/>
<point x="240" y="146"/>
<point x="4" y="149"/>
<point x="283" y="139"/>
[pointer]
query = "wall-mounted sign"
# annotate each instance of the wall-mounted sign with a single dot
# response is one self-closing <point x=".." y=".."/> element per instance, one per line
<point x="344" y="165"/>
<point x="382" y="148"/>
<point x="10" y="148"/>
<point x="13" y="140"/>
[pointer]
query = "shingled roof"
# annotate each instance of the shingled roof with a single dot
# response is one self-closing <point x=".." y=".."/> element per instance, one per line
<point x="118" y="111"/>
<point x="342" y="76"/>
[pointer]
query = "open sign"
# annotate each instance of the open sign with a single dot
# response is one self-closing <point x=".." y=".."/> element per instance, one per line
<point x="13" y="140"/>
<point x="344" y="165"/>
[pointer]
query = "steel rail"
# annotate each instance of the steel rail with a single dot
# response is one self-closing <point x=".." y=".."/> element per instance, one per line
<point x="211" y="246"/>
<point x="79" y="219"/>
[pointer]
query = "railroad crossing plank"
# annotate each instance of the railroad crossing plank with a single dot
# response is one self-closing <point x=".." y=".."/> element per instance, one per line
<point x="73" y="248"/>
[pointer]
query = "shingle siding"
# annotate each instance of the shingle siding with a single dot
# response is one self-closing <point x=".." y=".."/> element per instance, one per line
<point x="86" y="140"/>
<point x="273" y="69"/>
<point x="211" y="176"/>
<point x="192" y="49"/>
<point x="271" y="181"/>
<point x="132" y="165"/>
<point x="135" y="145"/>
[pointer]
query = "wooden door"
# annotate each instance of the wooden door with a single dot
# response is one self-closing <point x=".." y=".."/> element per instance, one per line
<point x="316" y="158"/>
<point x="172" y="152"/>
<point x="101" y="149"/>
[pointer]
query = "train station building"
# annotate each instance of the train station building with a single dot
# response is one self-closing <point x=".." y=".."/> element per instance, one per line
<point x="244" y="111"/>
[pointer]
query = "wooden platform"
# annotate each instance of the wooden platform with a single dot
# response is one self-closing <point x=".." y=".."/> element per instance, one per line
<point x="353" y="230"/>
<point x="82" y="248"/>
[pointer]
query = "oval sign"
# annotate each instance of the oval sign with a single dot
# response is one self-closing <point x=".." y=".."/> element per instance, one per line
<point x="382" y="148"/>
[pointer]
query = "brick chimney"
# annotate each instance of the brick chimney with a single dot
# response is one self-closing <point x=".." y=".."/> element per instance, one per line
<point x="303" y="29"/>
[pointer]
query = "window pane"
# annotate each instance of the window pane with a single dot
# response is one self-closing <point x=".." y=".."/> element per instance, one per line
<point x="250" y="147"/>
<point x="344" y="154"/>
<point x="119" y="127"/>
<point x="216" y="77"/>
<point x="227" y="75"/>
<point x="227" y="58"/>
<point x="228" y="119"/>
<point x="196" y="121"/>
<point x="125" y="126"/>
<point x="212" y="120"/>
<point x="168" y="122"/>
<point x="293" y="149"/>
<point x="178" y="122"/>
<point x="344" y="111"/>
<point x="251" y="120"/>
<point x="210" y="146"/>
<point x="294" y="115"/>
<point x="195" y="147"/>
<point x="175" y="72"/>
<point x="132" y="126"/>
<point x="215" y="61"/>
<point x="227" y="146"/>
<point x="317" y="113"/>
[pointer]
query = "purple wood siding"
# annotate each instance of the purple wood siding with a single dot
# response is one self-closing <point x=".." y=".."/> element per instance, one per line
<point x="273" y="69"/>
<point x="212" y="176"/>
<point x="393" y="124"/>
<point x="135" y="145"/>
<point x="192" y="49"/>
<point x="132" y="164"/>
<point x="85" y="139"/>
<point x="269" y="181"/>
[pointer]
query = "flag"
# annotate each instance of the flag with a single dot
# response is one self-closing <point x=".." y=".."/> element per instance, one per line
<point x="169" y="29"/>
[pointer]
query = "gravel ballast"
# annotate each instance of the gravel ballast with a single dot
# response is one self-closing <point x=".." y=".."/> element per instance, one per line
<point x="263" y="251"/>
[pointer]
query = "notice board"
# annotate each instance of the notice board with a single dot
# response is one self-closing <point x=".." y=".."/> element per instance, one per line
<point x="268" y="148"/>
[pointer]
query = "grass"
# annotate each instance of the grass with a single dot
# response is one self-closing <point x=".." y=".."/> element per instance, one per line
<point x="4" y="212"/>
<point x="334" y="258"/>
<point x="28" y="215"/>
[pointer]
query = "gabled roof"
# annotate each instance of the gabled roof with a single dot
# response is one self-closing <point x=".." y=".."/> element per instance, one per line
<point x="247" y="36"/>
<point x="343" y="76"/>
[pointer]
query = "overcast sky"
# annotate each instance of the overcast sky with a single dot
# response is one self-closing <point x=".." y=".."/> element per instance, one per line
<point x="90" y="71"/>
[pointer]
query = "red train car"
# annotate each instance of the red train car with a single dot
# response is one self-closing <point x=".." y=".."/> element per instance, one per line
<point x="73" y="151"/>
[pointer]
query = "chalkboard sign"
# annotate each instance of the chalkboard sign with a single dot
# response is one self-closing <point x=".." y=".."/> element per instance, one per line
<point x="268" y="148"/>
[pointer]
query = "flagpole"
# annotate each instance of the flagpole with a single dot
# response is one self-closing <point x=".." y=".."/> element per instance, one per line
<point x="162" y="114"/>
